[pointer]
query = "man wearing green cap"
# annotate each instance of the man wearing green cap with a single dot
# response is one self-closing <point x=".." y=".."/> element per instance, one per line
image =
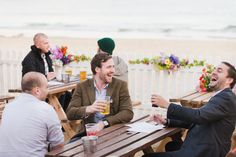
<point x="107" y="45"/>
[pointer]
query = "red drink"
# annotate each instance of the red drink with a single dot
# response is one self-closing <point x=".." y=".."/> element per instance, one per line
<point x="91" y="129"/>
<point x="91" y="133"/>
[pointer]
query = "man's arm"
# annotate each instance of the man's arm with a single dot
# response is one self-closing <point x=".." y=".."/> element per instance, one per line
<point x="178" y="123"/>
<point x="28" y="64"/>
<point x="169" y="122"/>
<point x="125" y="112"/>
<point x="217" y="108"/>
<point x="75" y="109"/>
<point x="55" y="135"/>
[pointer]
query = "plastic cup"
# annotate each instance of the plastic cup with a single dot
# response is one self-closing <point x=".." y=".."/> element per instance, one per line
<point x="89" y="144"/>
<point x="107" y="110"/>
<point x="68" y="71"/>
<point x="91" y="129"/>
<point x="83" y="75"/>
<point x="65" y="78"/>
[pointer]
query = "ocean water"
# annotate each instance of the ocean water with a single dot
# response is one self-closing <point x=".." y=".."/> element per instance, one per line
<point x="120" y="18"/>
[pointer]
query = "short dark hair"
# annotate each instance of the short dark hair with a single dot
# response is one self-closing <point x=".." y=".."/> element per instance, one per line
<point x="231" y="73"/>
<point x="97" y="61"/>
<point x="31" y="80"/>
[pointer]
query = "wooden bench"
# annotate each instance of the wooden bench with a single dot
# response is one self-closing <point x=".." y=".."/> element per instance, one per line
<point x="2" y="106"/>
<point x="193" y="99"/>
<point x="6" y="98"/>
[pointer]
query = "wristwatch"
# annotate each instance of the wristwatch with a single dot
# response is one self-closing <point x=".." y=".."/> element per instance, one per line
<point x="106" y="124"/>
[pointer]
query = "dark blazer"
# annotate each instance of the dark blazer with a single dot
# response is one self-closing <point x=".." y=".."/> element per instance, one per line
<point x="210" y="127"/>
<point x="34" y="62"/>
<point x="84" y="95"/>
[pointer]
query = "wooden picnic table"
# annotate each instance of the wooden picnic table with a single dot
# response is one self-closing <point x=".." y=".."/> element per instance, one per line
<point x="6" y="98"/>
<point x="54" y="92"/>
<point x="117" y="141"/>
<point x="193" y="99"/>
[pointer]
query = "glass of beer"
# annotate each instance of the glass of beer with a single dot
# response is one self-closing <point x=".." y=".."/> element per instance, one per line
<point x="107" y="100"/>
<point x="68" y="71"/>
<point x="82" y="75"/>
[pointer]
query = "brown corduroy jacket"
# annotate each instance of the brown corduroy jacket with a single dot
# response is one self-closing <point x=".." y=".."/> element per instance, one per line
<point x="84" y="95"/>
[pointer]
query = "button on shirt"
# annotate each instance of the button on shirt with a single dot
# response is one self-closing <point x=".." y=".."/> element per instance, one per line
<point x="28" y="125"/>
<point x="99" y="95"/>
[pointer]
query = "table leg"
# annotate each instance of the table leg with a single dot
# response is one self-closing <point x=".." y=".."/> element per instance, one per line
<point x="53" y="100"/>
<point x="148" y="150"/>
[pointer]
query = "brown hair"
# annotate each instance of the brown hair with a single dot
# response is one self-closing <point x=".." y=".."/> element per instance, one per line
<point x="231" y="73"/>
<point x="97" y="61"/>
<point x="31" y="80"/>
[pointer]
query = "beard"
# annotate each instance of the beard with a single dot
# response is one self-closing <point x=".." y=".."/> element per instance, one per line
<point x="216" y="85"/>
<point x="106" y="78"/>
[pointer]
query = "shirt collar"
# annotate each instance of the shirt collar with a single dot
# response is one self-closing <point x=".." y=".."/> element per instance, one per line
<point x="218" y="92"/>
<point x="95" y="85"/>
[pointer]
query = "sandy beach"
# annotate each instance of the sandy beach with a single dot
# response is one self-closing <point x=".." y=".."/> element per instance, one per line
<point x="195" y="47"/>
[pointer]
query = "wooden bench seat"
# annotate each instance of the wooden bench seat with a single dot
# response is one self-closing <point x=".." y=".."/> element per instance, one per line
<point x="6" y="98"/>
<point x="2" y="106"/>
<point x="193" y="99"/>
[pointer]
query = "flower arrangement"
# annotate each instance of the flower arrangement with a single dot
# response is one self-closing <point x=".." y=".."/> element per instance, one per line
<point x="81" y="58"/>
<point x="164" y="62"/>
<point x="138" y="61"/>
<point x="169" y="63"/>
<point x="205" y="78"/>
<point x="61" y="57"/>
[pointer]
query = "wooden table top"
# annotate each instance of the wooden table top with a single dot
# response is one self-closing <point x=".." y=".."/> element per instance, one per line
<point x="193" y="99"/>
<point x="117" y="141"/>
<point x="53" y="88"/>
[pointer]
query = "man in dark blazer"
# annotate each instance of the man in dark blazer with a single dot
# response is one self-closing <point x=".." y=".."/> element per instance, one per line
<point x="211" y="126"/>
<point x="85" y="102"/>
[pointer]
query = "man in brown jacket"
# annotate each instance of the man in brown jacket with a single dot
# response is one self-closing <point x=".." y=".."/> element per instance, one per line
<point x="85" y="102"/>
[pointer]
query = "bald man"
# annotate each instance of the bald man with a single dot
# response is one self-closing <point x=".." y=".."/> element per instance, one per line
<point x="29" y="125"/>
<point x="38" y="58"/>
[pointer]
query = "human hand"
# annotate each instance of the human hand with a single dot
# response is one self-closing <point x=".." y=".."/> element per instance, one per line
<point x="157" y="100"/>
<point x="51" y="75"/>
<point x="158" y="118"/>
<point x="100" y="126"/>
<point x="97" y="106"/>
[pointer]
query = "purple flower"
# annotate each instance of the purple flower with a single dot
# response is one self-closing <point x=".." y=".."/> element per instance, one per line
<point x="174" y="59"/>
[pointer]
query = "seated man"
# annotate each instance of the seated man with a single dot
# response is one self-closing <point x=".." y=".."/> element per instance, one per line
<point x="107" y="45"/>
<point x="29" y="125"/>
<point x="38" y="60"/>
<point x="84" y="103"/>
<point x="211" y="126"/>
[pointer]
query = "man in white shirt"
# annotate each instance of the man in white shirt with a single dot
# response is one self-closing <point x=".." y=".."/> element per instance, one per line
<point x="29" y="125"/>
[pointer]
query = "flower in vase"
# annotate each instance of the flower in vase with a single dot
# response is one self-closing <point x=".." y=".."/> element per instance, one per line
<point x="60" y="56"/>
